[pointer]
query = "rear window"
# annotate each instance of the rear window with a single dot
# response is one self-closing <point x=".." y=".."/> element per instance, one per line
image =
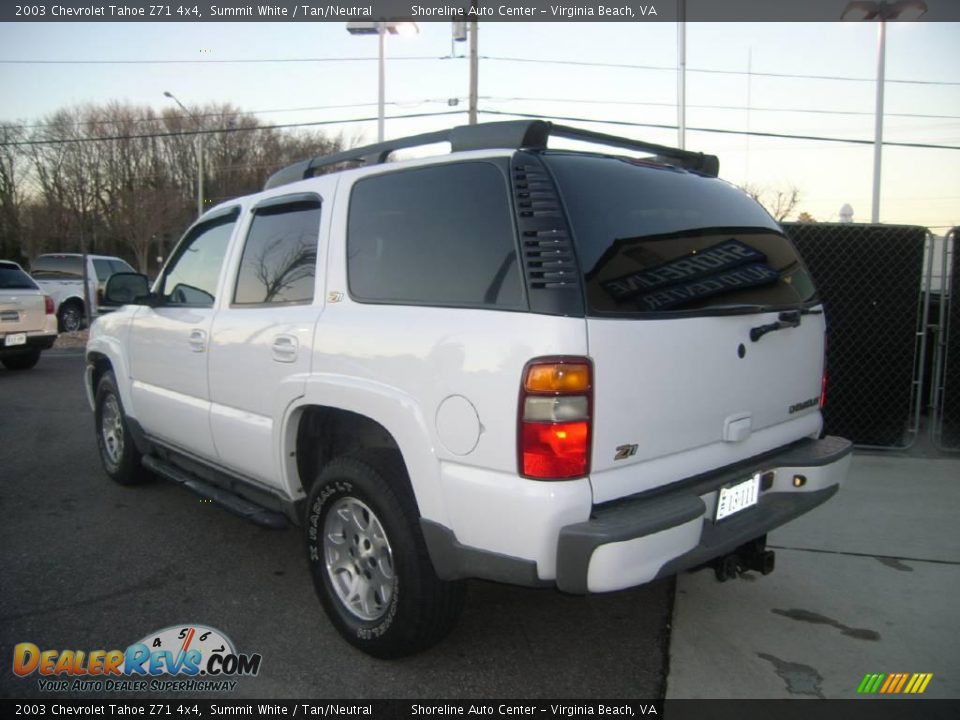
<point x="653" y="240"/>
<point x="57" y="267"/>
<point x="13" y="278"/>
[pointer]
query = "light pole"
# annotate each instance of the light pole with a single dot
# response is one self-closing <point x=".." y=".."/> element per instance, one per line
<point x="173" y="97"/>
<point x="381" y="29"/>
<point x="882" y="11"/>
<point x="460" y="34"/>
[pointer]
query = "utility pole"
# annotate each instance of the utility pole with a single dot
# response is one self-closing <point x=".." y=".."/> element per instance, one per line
<point x="878" y="121"/>
<point x="474" y="70"/>
<point x="682" y="73"/>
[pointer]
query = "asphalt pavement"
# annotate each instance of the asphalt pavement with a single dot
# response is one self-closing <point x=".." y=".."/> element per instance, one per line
<point x="868" y="583"/>
<point x="87" y="564"/>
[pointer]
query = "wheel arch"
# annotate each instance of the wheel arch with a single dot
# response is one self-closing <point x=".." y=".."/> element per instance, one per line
<point x="105" y="354"/>
<point x="347" y="419"/>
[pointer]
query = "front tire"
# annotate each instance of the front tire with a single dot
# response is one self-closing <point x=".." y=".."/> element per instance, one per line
<point x="368" y="559"/>
<point x="21" y="361"/>
<point x="119" y="455"/>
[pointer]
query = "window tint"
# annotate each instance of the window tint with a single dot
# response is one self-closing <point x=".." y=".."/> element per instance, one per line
<point x="653" y="240"/>
<point x="104" y="269"/>
<point x="57" y="267"/>
<point x="13" y="278"/>
<point x="280" y="256"/>
<point x="439" y="236"/>
<point x="192" y="277"/>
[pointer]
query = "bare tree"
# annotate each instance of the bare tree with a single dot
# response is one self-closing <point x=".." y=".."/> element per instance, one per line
<point x="11" y="172"/>
<point x="121" y="179"/>
<point x="779" y="202"/>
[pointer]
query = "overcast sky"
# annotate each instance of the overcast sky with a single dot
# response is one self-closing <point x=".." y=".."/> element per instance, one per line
<point x="920" y="186"/>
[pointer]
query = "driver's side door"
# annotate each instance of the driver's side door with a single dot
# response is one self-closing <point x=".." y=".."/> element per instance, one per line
<point x="169" y="341"/>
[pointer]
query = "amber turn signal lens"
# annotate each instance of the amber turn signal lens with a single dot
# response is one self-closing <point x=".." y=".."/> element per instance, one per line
<point x="558" y="378"/>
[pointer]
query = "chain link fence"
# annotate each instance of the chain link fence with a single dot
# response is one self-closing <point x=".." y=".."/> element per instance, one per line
<point x="871" y="280"/>
<point x="945" y="392"/>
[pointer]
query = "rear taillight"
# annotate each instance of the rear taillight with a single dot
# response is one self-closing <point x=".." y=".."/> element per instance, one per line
<point x="556" y="400"/>
<point x="48" y="304"/>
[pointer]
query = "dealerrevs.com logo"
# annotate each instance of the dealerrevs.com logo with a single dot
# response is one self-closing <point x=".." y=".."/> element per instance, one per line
<point x="200" y="657"/>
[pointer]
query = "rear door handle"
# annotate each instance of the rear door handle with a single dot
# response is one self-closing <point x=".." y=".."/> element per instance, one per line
<point x="197" y="340"/>
<point x="285" y="348"/>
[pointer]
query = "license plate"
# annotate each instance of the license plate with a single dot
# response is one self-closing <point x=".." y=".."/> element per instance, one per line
<point x="15" y="339"/>
<point x="738" y="497"/>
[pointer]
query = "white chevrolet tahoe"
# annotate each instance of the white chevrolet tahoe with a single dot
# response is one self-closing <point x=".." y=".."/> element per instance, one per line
<point x="536" y="366"/>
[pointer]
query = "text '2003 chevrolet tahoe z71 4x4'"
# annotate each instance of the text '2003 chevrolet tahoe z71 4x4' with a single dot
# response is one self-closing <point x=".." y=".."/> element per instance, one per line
<point x="530" y="365"/>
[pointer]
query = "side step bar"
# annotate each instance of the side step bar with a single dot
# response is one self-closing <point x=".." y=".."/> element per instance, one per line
<point x="226" y="499"/>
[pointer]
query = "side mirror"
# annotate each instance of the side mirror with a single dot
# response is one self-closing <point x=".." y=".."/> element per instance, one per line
<point x="126" y="289"/>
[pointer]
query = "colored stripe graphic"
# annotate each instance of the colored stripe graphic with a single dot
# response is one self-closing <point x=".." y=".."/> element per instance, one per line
<point x="894" y="683"/>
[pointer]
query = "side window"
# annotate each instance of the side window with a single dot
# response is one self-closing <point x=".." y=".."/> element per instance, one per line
<point x="103" y="269"/>
<point x="441" y="235"/>
<point x="279" y="260"/>
<point x="192" y="277"/>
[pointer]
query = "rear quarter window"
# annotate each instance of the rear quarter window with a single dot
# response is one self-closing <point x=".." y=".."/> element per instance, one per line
<point x="440" y="235"/>
<point x="654" y="240"/>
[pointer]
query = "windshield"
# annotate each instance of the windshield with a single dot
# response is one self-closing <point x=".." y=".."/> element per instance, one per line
<point x="654" y="240"/>
<point x="13" y="278"/>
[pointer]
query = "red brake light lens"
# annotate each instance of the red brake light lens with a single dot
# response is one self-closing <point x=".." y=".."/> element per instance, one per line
<point x="555" y="450"/>
<point x="48" y="304"/>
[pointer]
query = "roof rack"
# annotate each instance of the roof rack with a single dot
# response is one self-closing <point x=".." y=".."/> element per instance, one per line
<point x="512" y="134"/>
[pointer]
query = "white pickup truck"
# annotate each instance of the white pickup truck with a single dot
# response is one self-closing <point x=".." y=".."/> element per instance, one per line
<point x="60" y="275"/>
<point x="584" y="370"/>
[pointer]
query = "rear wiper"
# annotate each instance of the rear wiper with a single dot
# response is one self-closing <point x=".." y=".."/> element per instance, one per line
<point x="787" y="319"/>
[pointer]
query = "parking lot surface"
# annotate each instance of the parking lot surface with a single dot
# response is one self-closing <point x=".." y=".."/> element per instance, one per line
<point x="87" y="564"/>
<point x="867" y="583"/>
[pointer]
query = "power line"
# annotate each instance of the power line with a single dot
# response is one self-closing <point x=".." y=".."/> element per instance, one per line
<point x="190" y="133"/>
<point x="713" y="71"/>
<point x="565" y="118"/>
<point x="250" y="61"/>
<point x="753" y="133"/>
<point x="496" y="58"/>
<point x="713" y="107"/>
<point x="238" y="113"/>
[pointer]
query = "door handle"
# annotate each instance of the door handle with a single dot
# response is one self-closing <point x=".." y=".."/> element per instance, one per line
<point x="197" y="340"/>
<point x="285" y="348"/>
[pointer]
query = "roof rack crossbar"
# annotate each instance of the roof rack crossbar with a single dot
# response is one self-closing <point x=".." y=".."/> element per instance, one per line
<point x="511" y="134"/>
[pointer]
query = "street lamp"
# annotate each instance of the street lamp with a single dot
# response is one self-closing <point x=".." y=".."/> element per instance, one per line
<point x="381" y="29"/>
<point x="173" y="97"/>
<point x="882" y="11"/>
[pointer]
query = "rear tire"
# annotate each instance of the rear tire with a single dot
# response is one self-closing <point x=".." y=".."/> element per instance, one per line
<point x="119" y="455"/>
<point x="22" y="361"/>
<point x="70" y="317"/>
<point x="368" y="559"/>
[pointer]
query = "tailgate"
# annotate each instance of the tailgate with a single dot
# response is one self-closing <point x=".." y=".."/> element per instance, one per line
<point x="675" y="398"/>
<point x="21" y="311"/>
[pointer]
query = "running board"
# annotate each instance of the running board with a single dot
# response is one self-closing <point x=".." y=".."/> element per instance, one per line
<point x="226" y="499"/>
